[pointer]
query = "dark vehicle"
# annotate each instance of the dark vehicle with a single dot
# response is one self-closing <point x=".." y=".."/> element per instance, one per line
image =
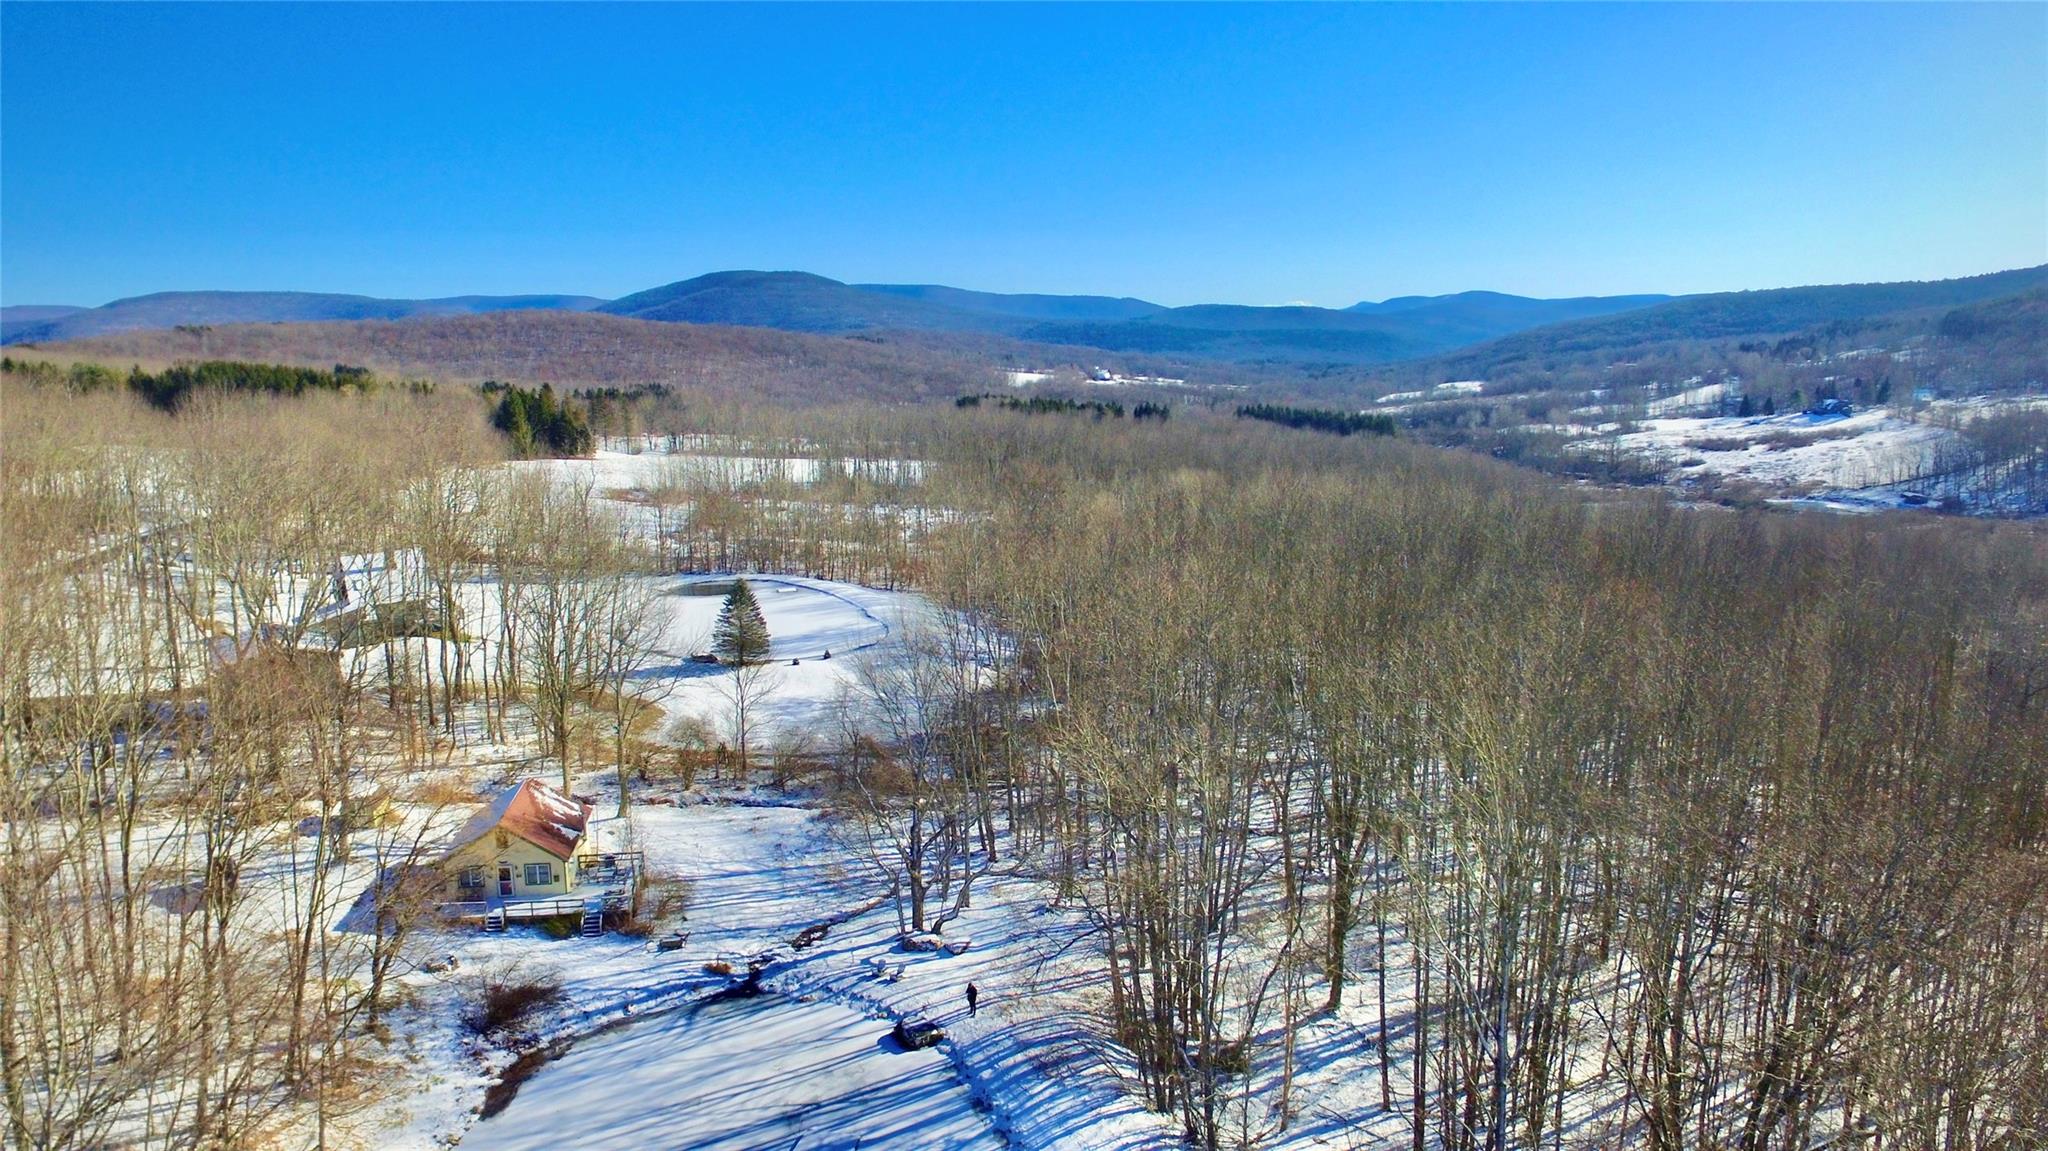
<point x="916" y="1034"/>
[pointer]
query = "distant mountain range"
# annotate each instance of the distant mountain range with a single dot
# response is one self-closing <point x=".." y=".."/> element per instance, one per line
<point x="802" y="302"/>
<point x="16" y="316"/>
<point x="1467" y="330"/>
<point x="1365" y="333"/>
<point x="51" y="323"/>
<point x="1983" y="331"/>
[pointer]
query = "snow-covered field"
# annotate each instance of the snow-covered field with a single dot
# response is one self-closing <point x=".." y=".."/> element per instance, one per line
<point x="1791" y="453"/>
<point x="1863" y="449"/>
<point x="821" y="632"/>
<point x="1692" y="398"/>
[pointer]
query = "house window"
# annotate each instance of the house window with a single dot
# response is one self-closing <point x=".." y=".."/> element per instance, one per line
<point x="539" y="874"/>
<point x="472" y="877"/>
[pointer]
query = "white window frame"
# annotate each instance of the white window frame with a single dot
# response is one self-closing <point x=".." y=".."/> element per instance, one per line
<point x="547" y="871"/>
<point x="472" y="878"/>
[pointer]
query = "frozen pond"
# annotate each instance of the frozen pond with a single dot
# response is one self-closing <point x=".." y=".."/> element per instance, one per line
<point x="763" y="1074"/>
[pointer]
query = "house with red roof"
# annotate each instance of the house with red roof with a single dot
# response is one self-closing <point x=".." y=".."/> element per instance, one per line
<point x="529" y="855"/>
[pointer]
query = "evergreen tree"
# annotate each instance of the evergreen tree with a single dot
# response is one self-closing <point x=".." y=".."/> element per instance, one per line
<point x="512" y="419"/>
<point x="537" y="423"/>
<point x="741" y="636"/>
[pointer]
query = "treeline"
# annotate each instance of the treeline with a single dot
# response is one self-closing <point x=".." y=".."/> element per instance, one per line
<point x="585" y="349"/>
<point x="1746" y="811"/>
<point x="1319" y="419"/>
<point x="617" y="411"/>
<point x="539" y="424"/>
<point x="158" y="988"/>
<point x="1046" y="405"/>
<point x="171" y="387"/>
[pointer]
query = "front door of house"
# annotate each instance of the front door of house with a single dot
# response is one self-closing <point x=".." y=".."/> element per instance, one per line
<point x="504" y="879"/>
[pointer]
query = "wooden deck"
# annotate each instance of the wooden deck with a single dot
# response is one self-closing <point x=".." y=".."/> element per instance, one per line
<point x="604" y="882"/>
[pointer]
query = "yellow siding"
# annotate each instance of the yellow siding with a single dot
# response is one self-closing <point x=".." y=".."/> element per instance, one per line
<point x="516" y="854"/>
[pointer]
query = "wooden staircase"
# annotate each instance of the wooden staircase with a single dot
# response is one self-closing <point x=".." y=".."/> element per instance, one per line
<point x="593" y="919"/>
<point x="494" y="919"/>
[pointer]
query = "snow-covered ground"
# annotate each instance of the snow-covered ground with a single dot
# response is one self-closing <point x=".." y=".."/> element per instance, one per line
<point x="613" y="471"/>
<point x="1704" y="396"/>
<point x="1930" y="455"/>
<point x="741" y="1074"/>
<point x="1863" y="449"/>
<point x="820" y="631"/>
<point x="647" y="1063"/>
<point x="811" y="1058"/>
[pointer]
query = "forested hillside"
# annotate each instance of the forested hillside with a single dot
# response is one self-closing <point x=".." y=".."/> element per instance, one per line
<point x="1574" y="354"/>
<point x="580" y="349"/>
<point x="1392" y="788"/>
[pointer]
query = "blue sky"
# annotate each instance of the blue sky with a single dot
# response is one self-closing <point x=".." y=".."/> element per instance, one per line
<point x="1249" y="154"/>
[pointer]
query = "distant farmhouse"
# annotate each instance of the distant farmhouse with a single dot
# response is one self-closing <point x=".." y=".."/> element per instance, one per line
<point x="529" y="855"/>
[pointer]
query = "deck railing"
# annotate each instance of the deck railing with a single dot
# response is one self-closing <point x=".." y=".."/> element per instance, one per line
<point x="543" y="907"/>
<point x="603" y="877"/>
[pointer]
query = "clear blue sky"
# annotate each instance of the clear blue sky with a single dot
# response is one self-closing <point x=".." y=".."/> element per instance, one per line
<point x="1248" y="154"/>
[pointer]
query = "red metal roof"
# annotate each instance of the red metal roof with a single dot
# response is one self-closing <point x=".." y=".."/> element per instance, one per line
<point x="534" y="812"/>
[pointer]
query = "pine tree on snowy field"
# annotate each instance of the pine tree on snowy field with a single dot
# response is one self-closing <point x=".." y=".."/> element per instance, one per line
<point x="741" y="636"/>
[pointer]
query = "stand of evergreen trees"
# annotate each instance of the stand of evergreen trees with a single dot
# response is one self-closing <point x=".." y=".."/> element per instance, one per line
<point x="537" y="423"/>
<point x="168" y="389"/>
<point x="1319" y="419"/>
<point x="1047" y="405"/>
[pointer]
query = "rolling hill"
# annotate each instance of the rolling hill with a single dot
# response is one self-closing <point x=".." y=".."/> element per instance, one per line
<point x="171" y="309"/>
<point x="1504" y="312"/>
<point x="795" y="302"/>
<point x="20" y="317"/>
<point x="1590" y="344"/>
<point x="1401" y="328"/>
<point x="800" y="301"/>
<point x="1035" y="308"/>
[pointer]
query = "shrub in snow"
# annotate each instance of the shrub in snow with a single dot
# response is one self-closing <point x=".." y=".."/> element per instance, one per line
<point x="560" y="926"/>
<point x="503" y="998"/>
<point x="1232" y="1058"/>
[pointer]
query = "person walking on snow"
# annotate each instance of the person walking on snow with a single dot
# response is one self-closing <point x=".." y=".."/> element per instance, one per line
<point x="973" y="997"/>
